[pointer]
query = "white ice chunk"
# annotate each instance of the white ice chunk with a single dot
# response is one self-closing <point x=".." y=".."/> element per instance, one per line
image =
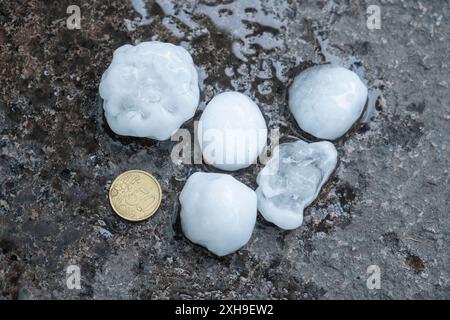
<point x="292" y="179"/>
<point x="149" y="90"/>
<point x="232" y="131"/>
<point x="326" y="100"/>
<point x="217" y="212"/>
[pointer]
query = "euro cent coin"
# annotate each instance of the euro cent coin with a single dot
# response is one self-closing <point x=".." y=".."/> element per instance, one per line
<point x="135" y="195"/>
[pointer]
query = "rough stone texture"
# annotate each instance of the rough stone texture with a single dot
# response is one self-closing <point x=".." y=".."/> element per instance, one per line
<point x="387" y="203"/>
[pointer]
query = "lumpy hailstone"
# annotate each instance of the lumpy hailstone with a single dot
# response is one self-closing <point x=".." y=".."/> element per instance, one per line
<point x="292" y="179"/>
<point x="232" y="131"/>
<point x="327" y="100"/>
<point x="149" y="90"/>
<point x="217" y="212"/>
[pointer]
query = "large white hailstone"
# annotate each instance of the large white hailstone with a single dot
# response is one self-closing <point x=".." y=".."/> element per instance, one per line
<point x="326" y="100"/>
<point x="232" y="131"/>
<point x="149" y="90"/>
<point x="292" y="179"/>
<point x="217" y="212"/>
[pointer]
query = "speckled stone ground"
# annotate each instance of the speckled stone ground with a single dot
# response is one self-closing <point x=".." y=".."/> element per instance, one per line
<point x="387" y="204"/>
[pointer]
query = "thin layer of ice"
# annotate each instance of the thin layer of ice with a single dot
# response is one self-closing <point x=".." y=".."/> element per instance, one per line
<point x="292" y="179"/>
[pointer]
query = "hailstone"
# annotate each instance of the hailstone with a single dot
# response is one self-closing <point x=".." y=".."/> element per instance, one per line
<point x="326" y="100"/>
<point x="149" y="90"/>
<point x="217" y="212"/>
<point x="292" y="179"/>
<point x="232" y="132"/>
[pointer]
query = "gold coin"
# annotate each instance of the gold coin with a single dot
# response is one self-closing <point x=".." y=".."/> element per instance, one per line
<point x="135" y="195"/>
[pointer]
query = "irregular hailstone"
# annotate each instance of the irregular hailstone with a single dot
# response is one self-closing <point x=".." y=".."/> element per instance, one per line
<point x="327" y="100"/>
<point x="149" y="90"/>
<point x="232" y="131"/>
<point x="292" y="179"/>
<point x="217" y="212"/>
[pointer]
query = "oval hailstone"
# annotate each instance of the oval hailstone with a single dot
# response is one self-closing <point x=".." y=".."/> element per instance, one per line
<point x="217" y="212"/>
<point x="232" y="131"/>
<point x="292" y="179"/>
<point x="326" y="100"/>
<point x="149" y="90"/>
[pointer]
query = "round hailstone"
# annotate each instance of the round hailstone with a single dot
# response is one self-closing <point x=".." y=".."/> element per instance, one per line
<point x="149" y="90"/>
<point x="292" y="179"/>
<point x="232" y="131"/>
<point x="217" y="212"/>
<point x="327" y="100"/>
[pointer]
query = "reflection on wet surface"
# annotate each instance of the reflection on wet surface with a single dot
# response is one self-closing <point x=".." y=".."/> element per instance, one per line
<point x="255" y="35"/>
<point x="58" y="157"/>
<point x="242" y="46"/>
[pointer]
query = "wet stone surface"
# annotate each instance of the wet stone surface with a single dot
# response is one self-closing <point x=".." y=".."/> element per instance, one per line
<point x="387" y="203"/>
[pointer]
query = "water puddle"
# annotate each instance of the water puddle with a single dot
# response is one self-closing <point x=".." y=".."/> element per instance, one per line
<point x="252" y="35"/>
<point x="145" y="19"/>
